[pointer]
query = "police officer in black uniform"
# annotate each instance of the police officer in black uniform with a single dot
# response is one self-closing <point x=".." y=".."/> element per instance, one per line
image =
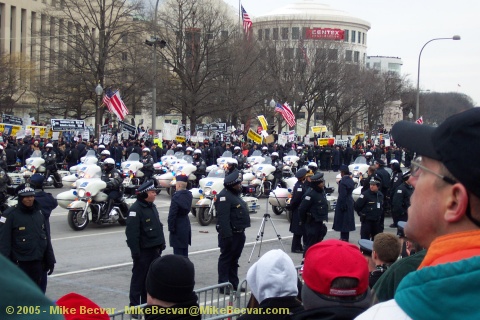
<point x="401" y="199"/>
<point x="145" y="238"/>
<point x="238" y="155"/>
<point x="114" y="181"/>
<point x="24" y="238"/>
<point x="147" y="161"/>
<point x="50" y="162"/>
<point x="277" y="174"/>
<point x="369" y="207"/>
<point x="4" y="182"/>
<point x="296" y="227"/>
<point x="233" y="219"/>
<point x="313" y="211"/>
<point x="201" y="165"/>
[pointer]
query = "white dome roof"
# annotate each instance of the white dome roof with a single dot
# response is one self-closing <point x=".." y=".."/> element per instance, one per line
<point x="310" y="10"/>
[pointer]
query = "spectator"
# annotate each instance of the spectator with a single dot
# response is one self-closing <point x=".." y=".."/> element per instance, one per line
<point x="386" y="249"/>
<point x="273" y="281"/>
<point x="336" y="282"/>
<point x="77" y="306"/>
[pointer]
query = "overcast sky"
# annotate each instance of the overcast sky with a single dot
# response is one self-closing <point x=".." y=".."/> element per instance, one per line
<point x="401" y="28"/>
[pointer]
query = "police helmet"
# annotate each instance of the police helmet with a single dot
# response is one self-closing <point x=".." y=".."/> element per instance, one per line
<point x="197" y="151"/>
<point x="179" y="145"/>
<point x="312" y="166"/>
<point x="264" y="148"/>
<point x="368" y="154"/>
<point x="232" y="161"/>
<point x="109" y="163"/>
<point x="189" y="149"/>
<point x="237" y="148"/>
<point x="105" y="153"/>
<point x="145" y="149"/>
<point x="101" y="146"/>
<point x="274" y="154"/>
<point x="393" y="161"/>
<point x="49" y="145"/>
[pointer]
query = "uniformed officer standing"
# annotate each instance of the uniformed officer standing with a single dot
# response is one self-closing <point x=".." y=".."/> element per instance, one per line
<point x="178" y="221"/>
<point x="24" y="238"/>
<point x="147" y="161"/>
<point x="401" y="199"/>
<point x="50" y="162"/>
<point x="296" y="227"/>
<point x="313" y="211"/>
<point x="232" y="219"/>
<point x="145" y="239"/>
<point x="369" y="207"/>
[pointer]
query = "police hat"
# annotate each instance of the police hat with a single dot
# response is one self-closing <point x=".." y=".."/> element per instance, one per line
<point x="380" y="162"/>
<point x="375" y="181"/>
<point x="366" y="246"/>
<point x="317" y="177"/>
<point x="25" y="190"/>
<point x="406" y="175"/>
<point x="301" y="173"/>
<point x="401" y="229"/>
<point x="146" y="186"/>
<point x="232" y="179"/>
<point x="344" y="168"/>
<point x="182" y="178"/>
<point x="37" y="180"/>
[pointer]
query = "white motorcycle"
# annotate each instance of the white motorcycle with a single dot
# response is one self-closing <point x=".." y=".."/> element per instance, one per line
<point x="278" y="197"/>
<point x="264" y="178"/>
<point x="291" y="161"/>
<point x="36" y="164"/>
<point x="88" y="203"/>
<point x="210" y="186"/>
<point x="187" y="169"/>
<point x="75" y="171"/>
<point x="164" y="180"/>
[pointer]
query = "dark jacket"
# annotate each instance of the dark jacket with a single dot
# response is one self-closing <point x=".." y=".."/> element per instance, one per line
<point x="23" y="235"/>
<point x="232" y="213"/>
<point x="299" y="190"/>
<point x="344" y="220"/>
<point x="314" y="206"/>
<point x="401" y="199"/>
<point x="274" y="304"/>
<point x="144" y="229"/>
<point x="178" y="221"/>
<point x="370" y="205"/>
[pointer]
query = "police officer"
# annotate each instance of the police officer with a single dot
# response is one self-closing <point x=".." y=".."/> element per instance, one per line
<point x="147" y="161"/>
<point x="199" y="162"/>
<point x="24" y="238"/>
<point x="395" y="181"/>
<point x="4" y="182"/>
<point x="296" y="227"/>
<point x="145" y="239"/>
<point x="232" y="220"/>
<point x="313" y="211"/>
<point x="114" y="181"/>
<point x="50" y="162"/>
<point x="265" y="152"/>
<point x="369" y="207"/>
<point x="232" y="165"/>
<point x="238" y="155"/>
<point x="103" y="155"/>
<point x="277" y="174"/>
<point x="3" y="159"/>
<point x="401" y="199"/>
<point x="385" y="186"/>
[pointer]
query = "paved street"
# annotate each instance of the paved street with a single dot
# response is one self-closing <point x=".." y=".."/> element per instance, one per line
<point x="96" y="262"/>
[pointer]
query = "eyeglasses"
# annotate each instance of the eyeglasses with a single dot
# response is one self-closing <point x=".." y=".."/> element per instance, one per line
<point x="416" y="166"/>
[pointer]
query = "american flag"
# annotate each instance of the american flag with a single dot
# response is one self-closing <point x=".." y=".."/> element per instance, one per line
<point x="247" y="22"/>
<point x="286" y="113"/>
<point x="419" y="120"/>
<point x="114" y="103"/>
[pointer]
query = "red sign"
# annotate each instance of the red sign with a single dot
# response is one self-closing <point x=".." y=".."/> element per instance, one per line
<point x="259" y="129"/>
<point x="324" y="34"/>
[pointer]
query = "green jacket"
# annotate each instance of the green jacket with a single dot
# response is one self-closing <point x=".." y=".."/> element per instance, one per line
<point x="144" y="229"/>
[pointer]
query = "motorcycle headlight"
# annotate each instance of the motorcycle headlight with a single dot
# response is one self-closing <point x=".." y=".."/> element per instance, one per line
<point x="355" y="173"/>
<point x="259" y="174"/>
<point x="207" y="191"/>
<point x="81" y="193"/>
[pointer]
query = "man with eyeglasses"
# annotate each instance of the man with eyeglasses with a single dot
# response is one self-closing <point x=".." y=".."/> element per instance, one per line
<point x="444" y="216"/>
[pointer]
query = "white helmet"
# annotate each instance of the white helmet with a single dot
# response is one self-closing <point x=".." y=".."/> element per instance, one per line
<point x="300" y="147"/>
<point x="368" y="154"/>
<point x="101" y="146"/>
<point x="49" y="145"/>
<point x="145" y="149"/>
<point x="264" y="148"/>
<point x="189" y="149"/>
<point x="237" y="148"/>
<point x="109" y="161"/>
<point x="179" y="145"/>
<point x="232" y="161"/>
<point x="197" y="151"/>
<point x="105" y="153"/>
<point x="393" y="161"/>
<point x="274" y="154"/>
<point x="312" y="164"/>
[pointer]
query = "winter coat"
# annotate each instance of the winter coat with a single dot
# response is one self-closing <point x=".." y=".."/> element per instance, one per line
<point x="178" y="221"/>
<point x="344" y="220"/>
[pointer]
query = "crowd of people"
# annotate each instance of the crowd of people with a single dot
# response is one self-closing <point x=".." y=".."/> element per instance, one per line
<point x="434" y="206"/>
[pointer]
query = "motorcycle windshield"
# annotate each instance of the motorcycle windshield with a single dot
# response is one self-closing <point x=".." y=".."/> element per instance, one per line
<point x="36" y="154"/>
<point x="188" y="158"/>
<point x="227" y="154"/>
<point x="267" y="160"/>
<point x="292" y="153"/>
<point x="217" y="173"/>
<point x="92" y="172"/>
<point x="360" y="160"/>
<point x="179" y="154"/>
<point x="133" y="157"/>
<point x="256" y="153"/>
<point x="90" y="153"/>
<point x="170" y="153"/>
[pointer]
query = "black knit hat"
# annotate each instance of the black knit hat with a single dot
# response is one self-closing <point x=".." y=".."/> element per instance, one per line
<point x="171" y="278"/>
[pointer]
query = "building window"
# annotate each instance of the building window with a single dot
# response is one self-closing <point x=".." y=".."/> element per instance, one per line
<point x="377" y="66"/>
<point x="124" y="38"/>
<point x="363" y="38"/>
<point x="359" y="37"/>
<point x="284" y="33"/>
<point x="345" y="35"/>
<point x="260" y="34"/>
<point x="321" y="54"/>
<point x="275" y="34"/>
<point x="332" y="54"/>
<point x="295" y="33"/>
<point x="356" y="56"/>
<point x="267" y="34"/>
<point x="301" y="115"/>
<point x="348" y="55"/>
<point x="353" y="36"/>
<point x="224" y="34"/>
<point x="288" y="53"/>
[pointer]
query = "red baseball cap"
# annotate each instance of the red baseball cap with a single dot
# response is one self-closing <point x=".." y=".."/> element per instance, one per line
<point x="331" y="259"/>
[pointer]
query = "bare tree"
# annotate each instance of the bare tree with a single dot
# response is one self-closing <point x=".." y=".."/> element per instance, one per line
<point x="14" y="70"/>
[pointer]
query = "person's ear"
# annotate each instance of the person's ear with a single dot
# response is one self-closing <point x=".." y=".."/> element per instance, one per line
<point x="456" y="203"/>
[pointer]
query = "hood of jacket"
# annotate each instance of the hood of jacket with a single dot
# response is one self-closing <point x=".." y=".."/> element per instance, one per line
<point x="273" y="275"/>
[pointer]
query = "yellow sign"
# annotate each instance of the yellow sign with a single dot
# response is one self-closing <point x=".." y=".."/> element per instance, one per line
<point x="40" y="131"/>
<point x="252" y="135"/>
<point x="357" y="137"/>
<point x="14" y="131"/>
<point x="180" y="139"/>
<point x="319" y="129"/>
<point x="325" y="141"/>
<point x="263" y="122"/>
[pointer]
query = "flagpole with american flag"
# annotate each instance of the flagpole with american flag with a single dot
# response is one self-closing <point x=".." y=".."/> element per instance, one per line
<point x="247" y="22"/>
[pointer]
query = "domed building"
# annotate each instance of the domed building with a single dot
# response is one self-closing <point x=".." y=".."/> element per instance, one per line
<point x="311" y="21"/>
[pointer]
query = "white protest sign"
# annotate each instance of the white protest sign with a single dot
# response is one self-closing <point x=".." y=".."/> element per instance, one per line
<point x="86" y="135"/>
<point x="55" y="135"/>
<point x="282" y="139"/>
<point x="28" y="132"/>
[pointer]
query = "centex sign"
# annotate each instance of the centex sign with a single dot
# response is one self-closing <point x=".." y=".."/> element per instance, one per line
<point x="324" y="33"/>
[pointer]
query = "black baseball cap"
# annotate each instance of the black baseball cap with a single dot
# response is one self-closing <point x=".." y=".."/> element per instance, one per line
<point x="455" y="143"/>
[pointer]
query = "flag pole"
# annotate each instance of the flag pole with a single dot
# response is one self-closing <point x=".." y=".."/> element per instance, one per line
<point x="240" y="13"/>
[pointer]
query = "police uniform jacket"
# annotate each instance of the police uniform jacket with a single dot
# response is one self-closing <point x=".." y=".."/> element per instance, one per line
<point x="200" y="164"/>
<point x="23" y="235"/>
<point x="401" y="199"/>
<point x="147" y="163"/>
<point x="299" y="190"/>
<point x="4" y="181"/>
<point x="385" y="177"/>
<point x="232" y="213"/>
<point x="370" y="204"/>
<point x="49" y="157"/>
<point x="315" y="205"/>
<point x="178" y="221"/>
<point x="144" y="229"/>
<point x="113" y="179"/>
<point x="278" y="168"/>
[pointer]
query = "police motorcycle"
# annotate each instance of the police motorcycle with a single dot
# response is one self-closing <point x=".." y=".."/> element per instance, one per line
<point x="187" y="168"/>
<point x="76" y="171"/>
<point x="210" y="186"/>
<point x="36" y="164"/>
<point x="263" y="177"/>
<point x="277" y="198"/>
<point x="132" y="174"/>
<point x="291" y="161"/>
<point x="169" y="161"/>
<point x="88" y="203"/>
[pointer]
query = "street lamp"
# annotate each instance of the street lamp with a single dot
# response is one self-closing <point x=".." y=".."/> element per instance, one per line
<point x="98" y="92"/>
<point x="417" y="109"/>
